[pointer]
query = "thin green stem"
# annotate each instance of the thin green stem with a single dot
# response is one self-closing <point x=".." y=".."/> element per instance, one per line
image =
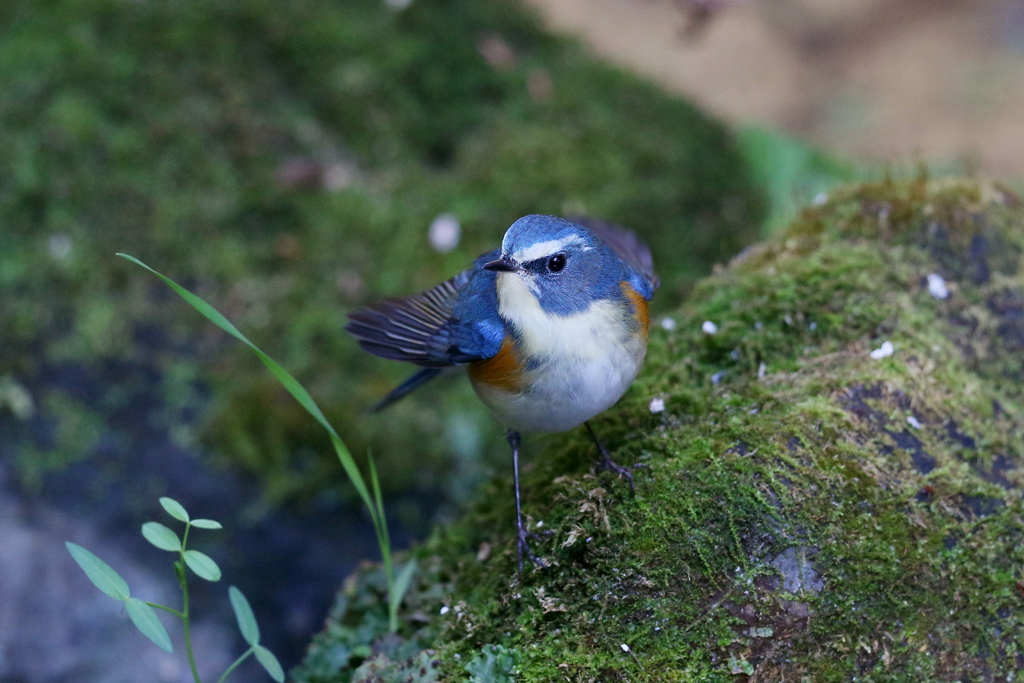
<point x="186" y="623"/>
<point x="234" y="665"/>
<point x="166" y="609"/>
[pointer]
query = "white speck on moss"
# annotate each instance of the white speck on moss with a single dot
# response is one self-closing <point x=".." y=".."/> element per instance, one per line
<point x="883" y="351"/>
<point x="913" y="422"/>
<point x="668" y="324"/>
<point x="937" y="286"/>
<point x="657" y="405"/>
<point x="709" y="327"/>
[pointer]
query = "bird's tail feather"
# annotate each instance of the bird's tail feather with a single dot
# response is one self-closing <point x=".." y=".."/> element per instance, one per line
<point x="407" y="387"/>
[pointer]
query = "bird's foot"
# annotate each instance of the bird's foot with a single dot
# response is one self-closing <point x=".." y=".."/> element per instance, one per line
<point x="606" y="462"/>
<point x="523" y="548"/>
<point x="624" y="471"/>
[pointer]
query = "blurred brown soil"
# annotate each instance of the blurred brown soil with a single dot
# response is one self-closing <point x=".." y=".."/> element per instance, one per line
<point x="890" y="80"/>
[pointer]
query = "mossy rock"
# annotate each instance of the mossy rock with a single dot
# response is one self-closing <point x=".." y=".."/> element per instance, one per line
<point x="810" y="510"/>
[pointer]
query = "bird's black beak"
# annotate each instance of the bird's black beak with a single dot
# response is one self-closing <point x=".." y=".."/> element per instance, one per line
<point x="502" y="265"/>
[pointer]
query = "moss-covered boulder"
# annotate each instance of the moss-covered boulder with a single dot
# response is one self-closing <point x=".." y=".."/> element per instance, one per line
<point x="818" y="505"/>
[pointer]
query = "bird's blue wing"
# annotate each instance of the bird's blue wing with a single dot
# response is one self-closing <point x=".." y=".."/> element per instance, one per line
<point x="628" y="247"/>
<point x="454" y="323"/>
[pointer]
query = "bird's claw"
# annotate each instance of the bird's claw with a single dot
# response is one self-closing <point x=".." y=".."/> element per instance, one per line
<point x="523" y="548"/>
<point x="624" y="471"/>
<point x="606" y="462"/>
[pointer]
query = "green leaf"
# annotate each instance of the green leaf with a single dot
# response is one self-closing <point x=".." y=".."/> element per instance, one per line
<point x="203" y="565"/>
<point x="398" y="590"/>
<point x="99" y="572"/>
<point x="145" y="620"/>
<point x="269" y="662"/>
<point x="161" y="536"/>
<point x="174" y="509"/>
<point x="206" y="524"/>
<point x="246" y="619"/>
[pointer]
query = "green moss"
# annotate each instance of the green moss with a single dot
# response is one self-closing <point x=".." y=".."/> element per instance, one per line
<point x="809" y="512"/>
<point x="285" y="159"/>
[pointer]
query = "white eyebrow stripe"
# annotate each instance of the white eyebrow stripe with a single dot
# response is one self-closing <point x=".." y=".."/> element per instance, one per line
<point x="547" y="248"/>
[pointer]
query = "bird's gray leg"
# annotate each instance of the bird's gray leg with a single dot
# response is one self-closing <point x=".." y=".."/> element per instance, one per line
<point x="606" y="462"/>
<point x="522" y="546"/>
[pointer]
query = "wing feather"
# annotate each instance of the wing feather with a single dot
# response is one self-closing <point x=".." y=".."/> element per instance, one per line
<point x="419" y="328"/>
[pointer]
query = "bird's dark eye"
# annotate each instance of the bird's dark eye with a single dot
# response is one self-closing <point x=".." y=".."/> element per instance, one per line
<point x="556" y="263"/>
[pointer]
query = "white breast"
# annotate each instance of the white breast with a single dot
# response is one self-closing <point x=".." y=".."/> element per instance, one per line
<point x="578" y="365"/>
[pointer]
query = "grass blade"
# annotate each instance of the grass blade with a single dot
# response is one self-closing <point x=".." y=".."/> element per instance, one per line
<point x="378" y="497"/>
<point x="380" y="524"/>
<point x="99" y="572"/>
<point x="374" y="503"/>
<point x="146" y="621"/>
<point x="283" y="376"/>
<point x="398" y="591"/>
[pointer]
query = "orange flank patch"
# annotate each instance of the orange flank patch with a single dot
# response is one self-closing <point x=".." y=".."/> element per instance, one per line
<point x="643" y="318"/>
<point x="503" y="370"/>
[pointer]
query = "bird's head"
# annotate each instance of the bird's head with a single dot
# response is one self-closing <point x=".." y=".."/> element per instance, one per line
<point x="563" y="265"/>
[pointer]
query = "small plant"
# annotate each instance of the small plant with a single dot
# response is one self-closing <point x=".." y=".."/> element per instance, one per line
<point x="397" y="585"/>
<point x="202" y="565"/>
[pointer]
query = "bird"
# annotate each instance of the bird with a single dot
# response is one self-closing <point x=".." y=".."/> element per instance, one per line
<point x="552" y="327"/>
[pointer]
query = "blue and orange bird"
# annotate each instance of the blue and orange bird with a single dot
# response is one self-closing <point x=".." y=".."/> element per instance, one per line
<point x="552" y="326"/>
